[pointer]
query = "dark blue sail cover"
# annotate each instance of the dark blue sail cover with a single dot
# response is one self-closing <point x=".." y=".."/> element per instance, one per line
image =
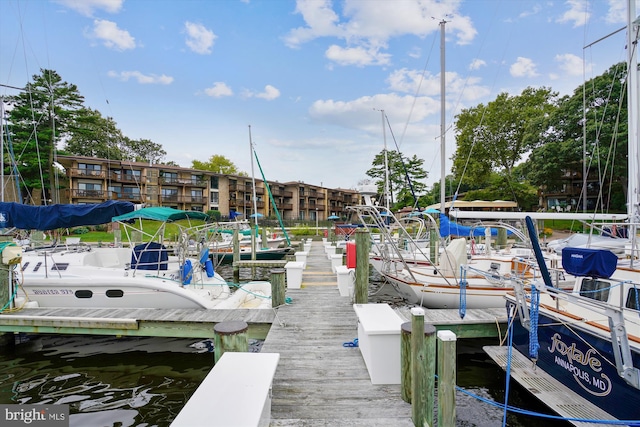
<point x="28" y="217"/>
<point x="149" y="256"/>
<point x="589" y="262"/>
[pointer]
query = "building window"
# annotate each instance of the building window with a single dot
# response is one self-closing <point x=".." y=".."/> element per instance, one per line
<point x="214" y="182"/>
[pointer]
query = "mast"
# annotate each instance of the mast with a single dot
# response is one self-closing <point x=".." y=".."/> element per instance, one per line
<point x="386" y="164"/>
<point x="633" y="208"/>
<point x="253" y="182"/>
<point x="442" y="118"/>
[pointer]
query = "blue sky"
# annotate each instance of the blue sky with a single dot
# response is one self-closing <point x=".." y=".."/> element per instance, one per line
<point x="309" y="76"/>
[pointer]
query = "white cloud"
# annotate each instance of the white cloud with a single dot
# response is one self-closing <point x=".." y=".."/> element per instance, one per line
<point x="141" y="78"/>
<point x="112" y="36"/>
<point x="617" y="12"/>
<point x="571" y="64"/>
<point x="88" y="7"/>
<point x="523" y="67"/>
<point x="476" y="64"/>
<point x="365" y="30"/>
<point x="578" y="13"/>
<point x="270" y="93"/>
<point x="199" y="38"/>
<point x="359" y="56"/>
<point x="218" y="90"/>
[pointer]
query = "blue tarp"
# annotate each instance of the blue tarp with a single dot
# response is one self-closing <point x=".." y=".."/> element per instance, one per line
<point x="589" y="262"/>
<point x="149" y="256"/>
<point x="28" y="217"/>
<point x="450" y="228"/>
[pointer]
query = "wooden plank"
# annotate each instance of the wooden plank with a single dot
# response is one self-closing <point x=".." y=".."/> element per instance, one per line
<point x="550" y="391"/>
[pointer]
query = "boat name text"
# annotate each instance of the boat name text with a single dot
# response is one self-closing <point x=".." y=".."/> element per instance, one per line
<point x="596" y="383"/>
<point x="52" y="292"/>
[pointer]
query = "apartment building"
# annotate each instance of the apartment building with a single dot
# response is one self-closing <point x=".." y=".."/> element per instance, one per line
<point x="94" y="180"/>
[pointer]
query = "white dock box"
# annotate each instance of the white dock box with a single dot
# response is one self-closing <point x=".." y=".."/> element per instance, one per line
<point x="294" y="274"/>
<point x="346" y="280"/>
<point x="379" y="341"/>
<point x="302" y="257"/>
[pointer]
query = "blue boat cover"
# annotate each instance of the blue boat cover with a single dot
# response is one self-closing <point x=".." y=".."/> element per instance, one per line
<point x="589" y="262"/>
<point x="149" y="256"/>
<point x="450" y="228"/>
<point x="28" y="217"/>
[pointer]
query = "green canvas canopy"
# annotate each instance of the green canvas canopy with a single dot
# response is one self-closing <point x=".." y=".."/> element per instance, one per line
<point x="161" y="214"/>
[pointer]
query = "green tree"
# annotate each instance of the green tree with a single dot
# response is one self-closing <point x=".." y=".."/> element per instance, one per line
<point x="216" y="163"/>
<point x="142" y="150"/>
<point x="41" y="117"/>
<point x="404" y="174"/>
<point x="495" y="137"/>
<point x="95" y="136"/>
<point x="602" y="102"/>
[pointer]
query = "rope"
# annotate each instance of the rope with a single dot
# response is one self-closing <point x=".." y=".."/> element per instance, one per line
<point x="353" y="343"/>
<point x="463" y="292"/>
<point x="508" y="367"/>
<point x="534" y="312"/>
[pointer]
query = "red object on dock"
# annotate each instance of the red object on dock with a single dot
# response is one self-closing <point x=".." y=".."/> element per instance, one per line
<point x="351" y="254"/>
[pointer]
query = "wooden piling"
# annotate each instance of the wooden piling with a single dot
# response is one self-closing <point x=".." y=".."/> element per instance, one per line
<point x="362" y="266"/>
<point x="278" y="287"/>
<point x="405" y="357"/>
<point x="423" y="354"/>
<point x="230" y="336"/>
<point x="446" y="379"/>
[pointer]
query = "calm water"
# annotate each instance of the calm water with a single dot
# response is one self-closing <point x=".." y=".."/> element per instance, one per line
<point x="145" y="381"/>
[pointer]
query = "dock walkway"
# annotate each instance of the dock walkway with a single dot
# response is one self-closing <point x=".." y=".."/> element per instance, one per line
<point x="319" y="381"/>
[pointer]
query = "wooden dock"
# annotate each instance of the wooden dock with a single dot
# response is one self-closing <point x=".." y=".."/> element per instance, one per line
<point x="320" y="381"/>
<point x="147" y="322"/>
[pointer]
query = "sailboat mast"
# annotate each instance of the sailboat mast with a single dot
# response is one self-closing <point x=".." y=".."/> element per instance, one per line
<point x="633" y="206"/>
<point x="253" y="182"/>
<point x="442" y="118"/>
<point x="386" y="164"/>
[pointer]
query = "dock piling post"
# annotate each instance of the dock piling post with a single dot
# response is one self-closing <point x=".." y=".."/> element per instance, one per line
<point x="278" y="288"/>
<point x="362" y="266"/>
<point x="230" y="336"/>
<point x="406" y="358"/>
<point x="446" y="379"/>
<point x="422" y="370"/>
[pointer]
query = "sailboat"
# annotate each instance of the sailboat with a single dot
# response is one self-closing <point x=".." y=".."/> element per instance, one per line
<point x="585" y="344"/>
<point x="146" y="274"/>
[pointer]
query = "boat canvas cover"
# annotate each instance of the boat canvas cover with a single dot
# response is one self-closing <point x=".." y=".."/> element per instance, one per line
<point x="450" y="228"/>
<point x="160" y="213"/>
<point x="149" y="256"/>
<point x="589" y="262"/>
<point x="51" y="217"/>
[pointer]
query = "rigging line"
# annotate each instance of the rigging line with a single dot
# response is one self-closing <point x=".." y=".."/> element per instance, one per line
<point x="493" y="85"/>
<point x="417" y="92"/>
<point x="404" y="167"/>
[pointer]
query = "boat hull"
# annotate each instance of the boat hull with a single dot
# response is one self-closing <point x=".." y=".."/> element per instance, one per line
<point x="583" y="361"/>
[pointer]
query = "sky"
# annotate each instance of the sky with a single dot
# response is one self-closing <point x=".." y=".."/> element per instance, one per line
<point x="308" y="82"/>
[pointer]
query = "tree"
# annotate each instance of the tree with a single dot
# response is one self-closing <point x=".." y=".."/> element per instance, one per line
<point x="95" y="136"/>
<point x="142" y="150"/>
<point x="41" y="117"/>
<point x="602" y="101"/>
<point x="404" y="174"/>
<point x="217" y="163"/>
<point x="495" y="137"/>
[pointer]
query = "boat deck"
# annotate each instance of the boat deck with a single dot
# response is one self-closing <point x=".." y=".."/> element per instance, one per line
<point x="549" y="390"/>
<point x="320" y="381"/>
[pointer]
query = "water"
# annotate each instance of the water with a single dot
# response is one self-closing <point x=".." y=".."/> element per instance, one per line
<point x="109" y="381"/>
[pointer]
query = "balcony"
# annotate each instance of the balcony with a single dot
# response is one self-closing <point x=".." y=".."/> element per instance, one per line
<point x="88" y="173"/>
<point x="88" y="194"/>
